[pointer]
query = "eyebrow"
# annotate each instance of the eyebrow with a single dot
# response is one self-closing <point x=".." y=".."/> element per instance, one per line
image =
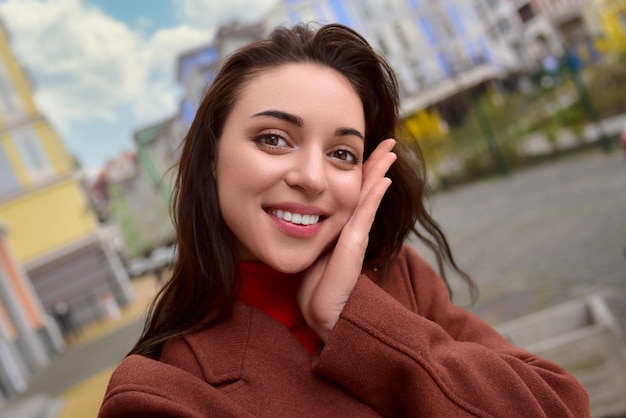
<point x="287" y="117"/>
<point x="296" y="120"/>
<point x="349" y="131"/>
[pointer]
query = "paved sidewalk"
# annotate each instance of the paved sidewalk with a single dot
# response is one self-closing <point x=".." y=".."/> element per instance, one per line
<point x="40" y="406"/>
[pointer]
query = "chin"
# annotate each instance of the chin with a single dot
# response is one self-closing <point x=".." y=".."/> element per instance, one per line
<point x="289" y="266"/>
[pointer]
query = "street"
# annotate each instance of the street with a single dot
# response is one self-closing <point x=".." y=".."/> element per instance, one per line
<point x="541" y="235"/>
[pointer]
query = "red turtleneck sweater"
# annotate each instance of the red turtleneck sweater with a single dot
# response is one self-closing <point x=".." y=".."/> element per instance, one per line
<point x="275" y="293"/>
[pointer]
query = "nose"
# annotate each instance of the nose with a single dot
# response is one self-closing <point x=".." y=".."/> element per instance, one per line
<point x="308" y="173"/>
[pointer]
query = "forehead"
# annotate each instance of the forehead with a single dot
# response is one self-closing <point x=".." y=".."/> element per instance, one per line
<point x="302" y="88"/>
<point x="296" y="70"/>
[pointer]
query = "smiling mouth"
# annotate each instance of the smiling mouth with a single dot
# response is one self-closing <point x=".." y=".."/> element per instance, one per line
<point x="295" y="218"/>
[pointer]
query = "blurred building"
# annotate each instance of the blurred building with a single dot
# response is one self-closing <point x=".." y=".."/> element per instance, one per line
<point x="519" y="24"/>
<point x="606" y="20"/>
<point x="437" y="48"/>
<point x="132" y="192"/>
<point x="537" y="29"/>
<point x="196" y="71"/>
<point x="52" y="229"/>
<point x="197" y="67"/>
<point x="565" y="16"/>
<point x="28" y="335"/>
<point x="139" y="195"/>
<point x="158" y="151"/>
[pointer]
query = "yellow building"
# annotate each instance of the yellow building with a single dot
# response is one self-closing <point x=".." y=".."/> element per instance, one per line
<point x="614" y="21"/>
<point x="607" y="19"/>
<point x="52" y="229"/>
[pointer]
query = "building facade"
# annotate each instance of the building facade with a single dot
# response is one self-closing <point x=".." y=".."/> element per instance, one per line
<point x="436" y="47"/>
<point x="52" y="230"/>
<point x="197" y="67"/>
<point x="158" y="149"/>
<point x="606" y="20"/>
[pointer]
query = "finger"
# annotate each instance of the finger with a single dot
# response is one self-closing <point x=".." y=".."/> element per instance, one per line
<point x="381" y="150"/>
<point x="372" y="192"/>
<point x="378" y="164"/>
<point x="376" y="172"/>
<point x="363" y="217"/>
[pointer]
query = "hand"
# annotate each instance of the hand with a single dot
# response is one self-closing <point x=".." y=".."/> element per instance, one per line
<point x="327" y="284"/>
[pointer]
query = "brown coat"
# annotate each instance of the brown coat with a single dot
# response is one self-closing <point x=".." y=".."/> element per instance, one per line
<point x="399" y="349"/>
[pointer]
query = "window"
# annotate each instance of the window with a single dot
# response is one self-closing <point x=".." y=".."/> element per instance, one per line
<point x="32" y="153"/>
<point x="526" y="13"/>
<point x="382" y="45"/>
<point x="504" y="25"/>
<point x="444" y="28"/>
<point x="8" y="180"/>
<point x="492" y="3"/>
<point x="401" y="36"/>
<point x="10" y="105"/>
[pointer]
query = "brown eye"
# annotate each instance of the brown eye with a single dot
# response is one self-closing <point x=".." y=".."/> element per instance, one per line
<point x="270" y="140"/>
<point x="344" y="155"/>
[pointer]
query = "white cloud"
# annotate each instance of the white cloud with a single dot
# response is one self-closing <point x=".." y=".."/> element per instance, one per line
<point x="85" y="64"/>
<point x="160" y="57"/>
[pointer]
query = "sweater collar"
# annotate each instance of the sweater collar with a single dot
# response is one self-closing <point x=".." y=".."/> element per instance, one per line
<point x="271" y="291"/>
<point x="276" y="294"/>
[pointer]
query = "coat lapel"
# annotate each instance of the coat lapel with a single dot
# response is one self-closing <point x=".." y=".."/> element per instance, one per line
<point x="221" y="349"/>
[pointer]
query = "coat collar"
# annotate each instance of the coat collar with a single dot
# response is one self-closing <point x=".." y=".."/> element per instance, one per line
<point x="223" y="352"/>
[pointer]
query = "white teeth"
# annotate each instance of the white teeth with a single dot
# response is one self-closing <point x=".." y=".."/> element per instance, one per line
<point x="296" y="218"/>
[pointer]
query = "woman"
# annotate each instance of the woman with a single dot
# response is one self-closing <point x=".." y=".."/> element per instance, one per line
<point x="293" y="293"/>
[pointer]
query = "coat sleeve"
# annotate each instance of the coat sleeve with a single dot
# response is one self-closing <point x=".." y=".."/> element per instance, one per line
<point x="141" y="387"/>
<point x="425" y="356"/>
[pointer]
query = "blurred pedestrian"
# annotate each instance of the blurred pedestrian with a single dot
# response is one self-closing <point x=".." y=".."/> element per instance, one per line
<point x="293" y="292"/>
<point x="63" y="315"/>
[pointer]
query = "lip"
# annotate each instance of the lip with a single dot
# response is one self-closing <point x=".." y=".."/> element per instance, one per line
<point x="295" y="230"/>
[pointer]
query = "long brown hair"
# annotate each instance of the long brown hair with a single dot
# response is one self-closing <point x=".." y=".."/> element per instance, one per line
<point x="201" y="290"/>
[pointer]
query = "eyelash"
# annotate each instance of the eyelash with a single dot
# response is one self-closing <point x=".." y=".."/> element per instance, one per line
<point x="260" y="141"/>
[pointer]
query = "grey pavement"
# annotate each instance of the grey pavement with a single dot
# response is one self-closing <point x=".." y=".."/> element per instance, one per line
<point x="536" y="237"/>
<point x="42" y="399"/>
<point x="38" y="406"/>
<point x="84" y="361"/>
<point x="541" y="235"/>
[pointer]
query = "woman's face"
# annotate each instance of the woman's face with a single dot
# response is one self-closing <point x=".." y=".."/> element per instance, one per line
<point x="289" y="164"/>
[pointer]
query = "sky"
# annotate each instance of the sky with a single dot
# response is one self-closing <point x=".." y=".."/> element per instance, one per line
<point x="103" y="69"/>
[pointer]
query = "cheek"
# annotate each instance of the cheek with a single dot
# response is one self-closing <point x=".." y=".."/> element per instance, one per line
<point x="347" y="194"/>
<point x="228" y="179"/>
